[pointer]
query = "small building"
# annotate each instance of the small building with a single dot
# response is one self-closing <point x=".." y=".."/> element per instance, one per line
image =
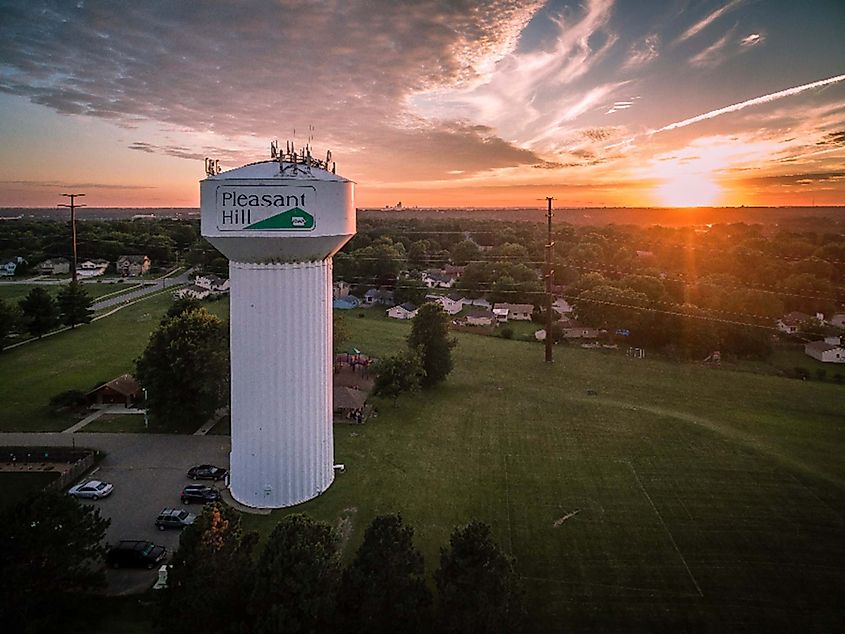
<point x="381" y="296"/>
<point x="480" y="317"/>
<point x="9" y="266"/>
<point x="516" y="312"/>
<point x="212" y="283"/>
<point x="122" y="390"/>
<point x="438" y="279"/>
<point x="825" y="352"/>
<point x="574" y="330"/>
<point x="54" y="266"/>
<point x="791" y="322"/>
<point x="133" y="265"/>
<point x="346" y="303"/>
<point x="92" y="268"/>
<point x="500" y="314"/>
<point x="453" y="304"/>
<point x="340" y="289"/>
<point x="403" y="311"/>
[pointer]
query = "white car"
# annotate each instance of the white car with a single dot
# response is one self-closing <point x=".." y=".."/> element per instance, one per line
<point x="93" y="489"/>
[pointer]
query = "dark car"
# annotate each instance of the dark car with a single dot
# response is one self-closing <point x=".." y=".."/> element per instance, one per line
<point x="199" y="493"/>
<point x="136" y="554"/>
<point x="174" y="518"/>
<point x="207" y="472"/>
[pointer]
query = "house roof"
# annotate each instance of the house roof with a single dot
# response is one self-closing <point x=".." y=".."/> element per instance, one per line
<point x="348" y="398"/>
<point x="408" y="306"/>
<point x="515" y="307"/>
<point x="481" y="313"/>
<point x="124" y="384"/>
<point x="820" y="346"/>
<point x="56" y="261"/>
<point x="134" y="259"/>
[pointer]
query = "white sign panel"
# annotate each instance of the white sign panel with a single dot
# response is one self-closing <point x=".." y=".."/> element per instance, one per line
<point x="265" y="207"/>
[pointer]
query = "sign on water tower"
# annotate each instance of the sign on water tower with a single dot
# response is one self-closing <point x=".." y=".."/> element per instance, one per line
<point x="265" y="208"/>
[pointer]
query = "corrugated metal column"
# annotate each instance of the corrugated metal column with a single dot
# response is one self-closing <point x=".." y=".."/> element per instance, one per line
<point x="281" y="337"/>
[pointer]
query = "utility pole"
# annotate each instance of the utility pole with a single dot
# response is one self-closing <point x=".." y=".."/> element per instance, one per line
<point x="549" y="275"/>
<point x="73" y="207"/>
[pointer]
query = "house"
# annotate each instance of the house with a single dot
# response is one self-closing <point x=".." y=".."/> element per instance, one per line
<point x="340" y="289"/>
<point x="382" y="296"/>
<point x="837" y="320"/>
<point x="124" y="389"/>
<point x="453" y="271"/>
<point x="132" y="265"/>
<point x="212" y="283"/>
<point x="438" y="279"/>
<point x="516" y="312"/>
<point x="194" y="291"/>
<point x="8" y="267"/>
<point x="791" y="322"/>
<point x="92" y="268"/>
<point x="480" y="317"/>
<point x="573" y="330"/>
<point x="500" y="314"/>
<point x="453" y="304"/>
<point x="403" y="311"/>
<point x="54" y="266"/>
<point x="825" y="352"/>
<point x="562" y="306"/>
<point x="479" y="301"/>
<point x="346" y="303"/>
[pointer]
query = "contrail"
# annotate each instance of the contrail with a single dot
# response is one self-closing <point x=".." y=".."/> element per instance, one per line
<point x="751" y="102"/>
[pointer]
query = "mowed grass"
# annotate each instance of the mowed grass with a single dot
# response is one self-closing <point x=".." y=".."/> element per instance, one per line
<point x="676" y="497"/>
<point x="78" y="359"/>
<point x="13" y="293"/>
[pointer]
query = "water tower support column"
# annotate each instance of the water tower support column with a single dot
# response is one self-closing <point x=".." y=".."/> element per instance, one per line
<point x="281" y="337"/>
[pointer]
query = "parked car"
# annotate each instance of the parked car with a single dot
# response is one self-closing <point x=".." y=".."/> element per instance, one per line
<point x="92" y="490"/>
<point x="199" y="493"/>
<point x="174" y="518"/>
<point x="207" y="472"/>
<point x="135" y="554"/>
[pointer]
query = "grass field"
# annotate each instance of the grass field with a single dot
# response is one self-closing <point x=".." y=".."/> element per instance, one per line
<point x="16" y="292"/>
<point x="676" y="497"/>
<point x="635" y="494"/>
<point x="77" y="359"/>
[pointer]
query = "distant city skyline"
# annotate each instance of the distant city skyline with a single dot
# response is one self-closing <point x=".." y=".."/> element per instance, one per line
<point x="499" y="103"/>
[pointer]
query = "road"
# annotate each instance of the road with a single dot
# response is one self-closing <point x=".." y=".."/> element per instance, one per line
<point x="148" y="473"/>
<point x="148" y="287"/>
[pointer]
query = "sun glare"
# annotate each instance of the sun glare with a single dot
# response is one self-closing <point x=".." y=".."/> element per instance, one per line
<point x="689" y="190"/>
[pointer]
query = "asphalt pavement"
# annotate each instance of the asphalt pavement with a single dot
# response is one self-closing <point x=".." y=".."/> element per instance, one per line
<point x="147" y="287"/>
<point x="148" y="472"/>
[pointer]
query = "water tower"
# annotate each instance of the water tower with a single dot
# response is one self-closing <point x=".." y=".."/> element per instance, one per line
<point x="280" y="222"/>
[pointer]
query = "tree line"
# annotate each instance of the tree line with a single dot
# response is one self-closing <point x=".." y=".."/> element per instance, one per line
<point x="39" y="313"/>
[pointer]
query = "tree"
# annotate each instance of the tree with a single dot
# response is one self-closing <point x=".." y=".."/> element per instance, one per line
<point x="40" y="314"/>
<point x="383" y="589"/>
<point x="396" y="375"/>
<point x="296" y="578"/>
<point x="430" y="339"/>
<point x="465" y="251"/>
<point x="181" y="305"/>
<point x="10" y="319"/>
<point x="74" y="305"/>
<point x="340" y="332"/>
<point x="50" y="549"/>
<point x="410" y="289"/>
<point x="478" y="588"/>
<point x="212" y="572"/>
<point x="185" y="369"/>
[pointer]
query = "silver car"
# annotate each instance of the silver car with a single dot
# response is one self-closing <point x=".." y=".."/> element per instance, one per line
<point x="93" y="490"/>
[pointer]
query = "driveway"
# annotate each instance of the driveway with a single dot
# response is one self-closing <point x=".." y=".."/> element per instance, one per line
<point x="148" y="473"/>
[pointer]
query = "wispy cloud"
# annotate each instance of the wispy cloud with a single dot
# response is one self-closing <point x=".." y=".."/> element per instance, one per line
<point x="713" y="55"/>
<point x="702" y="24"/>
<point x="643" y="52"/>
<point x="752" y="102"/>
<point x="619" y="105"/>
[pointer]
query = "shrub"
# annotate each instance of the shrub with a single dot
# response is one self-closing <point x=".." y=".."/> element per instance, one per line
<point x="507" y="333"/>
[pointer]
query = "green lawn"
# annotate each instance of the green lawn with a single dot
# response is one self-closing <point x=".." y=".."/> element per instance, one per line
<point x="16" y="292"/>
<point x="78" y="359"/>
<point x="695" y="498"/>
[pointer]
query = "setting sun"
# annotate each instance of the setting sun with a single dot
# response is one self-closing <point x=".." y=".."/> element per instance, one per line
<point x="689" y="190"/>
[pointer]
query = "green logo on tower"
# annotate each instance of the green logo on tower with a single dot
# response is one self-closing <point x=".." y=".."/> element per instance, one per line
<point x="295" y="219"/>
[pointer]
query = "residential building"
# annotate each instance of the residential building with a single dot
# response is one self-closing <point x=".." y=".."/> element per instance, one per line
<point x="124" y="389"/>
<point x="452" y="304"/>
<point x="133" y="265"/>
<point x="54" y="266"/>
<point x="791" y="322"/>
<point x="8" y="267"/>
<point x="837" y="320"/>
<point x="573" y="330"/>
<point x="381" y="296"/>
<point x="562" y="306"/>
<point x="516" y="312"/>
<point x="825" y="352"/>
<point x="438" y="279"/>
<point x="340" y="289"/>
<point x="194" y="291"/>
<point x="92" y="268"/>
<point x="213" y="283"/>
<point x="480" y="317"/>
<point x="403" y="311"/>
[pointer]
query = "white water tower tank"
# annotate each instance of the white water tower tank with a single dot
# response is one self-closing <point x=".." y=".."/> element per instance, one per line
<point x="280" y="222"/>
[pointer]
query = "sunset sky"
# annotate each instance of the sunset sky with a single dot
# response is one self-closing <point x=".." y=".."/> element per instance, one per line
<point x="430" y="103"/>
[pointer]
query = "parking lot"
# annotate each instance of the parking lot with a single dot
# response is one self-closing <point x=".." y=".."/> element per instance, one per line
<point x="148" y="472"/>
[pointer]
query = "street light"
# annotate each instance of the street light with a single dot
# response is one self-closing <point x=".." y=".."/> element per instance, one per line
<point x="146" y="419"/>
<point x="73" y="207"/>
